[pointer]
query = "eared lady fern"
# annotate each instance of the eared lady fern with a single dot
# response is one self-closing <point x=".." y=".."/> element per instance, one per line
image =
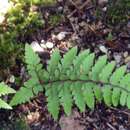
<point x="74" y="79"/>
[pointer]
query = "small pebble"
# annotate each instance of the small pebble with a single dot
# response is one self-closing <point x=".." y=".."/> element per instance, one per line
<point x="60" y="9"/>
<point x="127" y="59"/>
<point x="12" y="79"/>
<point x="128" y="45"/>
<point x="49" y="45"/>
<point x="36" y="47"/>
<point x="117" y="57"/>
<point x="43" y="41"/>
<point x="82" y="24"/>
<point x="125" y="54"/>
<point x="43" y="45"/>
<point x="60" y="0"/>
<point x="128" y="25"/>
<point x="103" y="49"/>
<point x="61" y="36"/>
<point x="128" y="65"/>
<point x="122" y="128"/>
<point x="101" y="2"/>
<point x="72" y="19"/>
<point x="104" y="9"/>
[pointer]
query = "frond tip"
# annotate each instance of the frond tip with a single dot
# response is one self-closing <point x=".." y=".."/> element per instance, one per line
<point x="75" y="79"/>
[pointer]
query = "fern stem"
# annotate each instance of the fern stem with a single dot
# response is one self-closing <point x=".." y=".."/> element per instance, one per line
<point x="86" y="81"/>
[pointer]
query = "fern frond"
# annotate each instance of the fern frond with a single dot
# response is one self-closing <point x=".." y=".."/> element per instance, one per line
<point x="75" y="79"/>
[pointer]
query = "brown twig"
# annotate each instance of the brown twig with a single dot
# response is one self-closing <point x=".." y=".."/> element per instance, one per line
<point x="79" y="8"/>
<point x="110" y="126"/>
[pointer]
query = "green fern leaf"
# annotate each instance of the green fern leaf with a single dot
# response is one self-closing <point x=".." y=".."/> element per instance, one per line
<point x="125" y="84"/>
<point x="4" y="105"/>
<point x="107" y="95"/>
<point x="106" y="72"/>
<point x="75" y="69"/>
<point x="101" y="62"/>
<point x="123" y="98"/>
<point x="128" y="101"/>
<point x="78" y="96"/>
<point x="66" y="98"/>
<point x="31" y="57"/>
<point x="33" y="84"/>
<point x="97" y="92"/>
<point x="115" y="79"/>
<point x="68" y="58"/>
<point x="22" y="96"/>
<point x="53" y="63"/>
<point x="89" y="95"/>
<point x="43" y="75"/>
<point x="87" y="64"/>
<point x="53" y="100"/>
<point x="117" y="75"/>
<point x="79" y="59"/>
<point x="4" y="89"/>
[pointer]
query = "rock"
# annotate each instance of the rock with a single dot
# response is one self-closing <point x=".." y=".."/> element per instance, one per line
<point x="128" y="25"/>
<point x="125" y="54"/>
<point x="43" y="45"/>
<point x="61" y="36"/>
<point x="104" y="9"/>
<point x="36" y="47"/>
<point x="82" y="24"/>
<point x="122" y="128"/>
<point x="49" y="45"/>
<point x="33" y="117"/>
<point x="60" y="9"/>
<point x="12" y="79"/>
<point x="102" y="2"/>
<point x="128" y="65"/>
<point x="72" y="19"/>
<point x="117" y="57"/>
<point x="103" y="49"/>
<point x="69" y="123"/>
<point x="43" y="41"/>
<point x="60" y="0"/>
<point x="127" y="59"/>
<point x="4" y="6"/>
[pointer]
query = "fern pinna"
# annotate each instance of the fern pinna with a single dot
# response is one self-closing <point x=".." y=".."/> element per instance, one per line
<point x="5" y="90"/>
<point x="74" y="79"/>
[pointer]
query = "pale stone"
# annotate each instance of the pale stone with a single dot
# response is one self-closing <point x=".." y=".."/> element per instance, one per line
<point x="61" y="35"/>
<point x="49" y="45"/>
<point x="103" y="49"/>
<point x="36" y="47"/>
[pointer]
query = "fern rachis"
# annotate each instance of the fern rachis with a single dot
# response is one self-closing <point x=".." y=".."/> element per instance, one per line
<point x="75" y="79"/>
